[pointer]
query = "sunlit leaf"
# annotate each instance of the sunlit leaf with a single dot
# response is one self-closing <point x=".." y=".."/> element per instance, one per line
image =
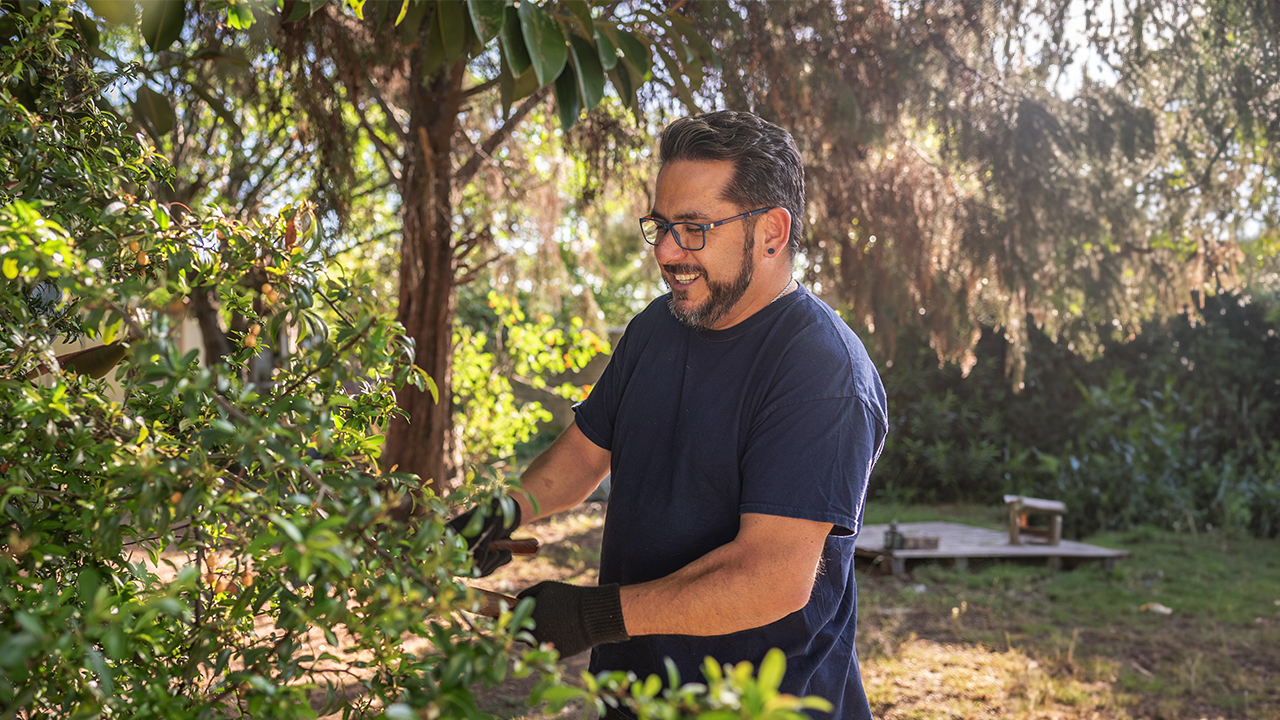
<point x="513" y="47"/>
<point x="548" y="49"/>
<point x="590" y="75"/>
<point x="162" y="22"/>
<point x="487" y="17"/>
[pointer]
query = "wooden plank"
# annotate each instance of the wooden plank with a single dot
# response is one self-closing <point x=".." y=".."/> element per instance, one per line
<point x="1037" y="504"/>
<point x="965" y="541"/>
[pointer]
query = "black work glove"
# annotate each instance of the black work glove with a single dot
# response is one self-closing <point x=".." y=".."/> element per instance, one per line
<point x="479" y="532"/>
<point x="575" y="618"/>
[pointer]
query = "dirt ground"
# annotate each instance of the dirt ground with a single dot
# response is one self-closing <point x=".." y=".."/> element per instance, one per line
<point x="995" y="642"/>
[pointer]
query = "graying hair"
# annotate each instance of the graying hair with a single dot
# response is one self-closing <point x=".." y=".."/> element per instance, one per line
<point x="767" y="171"/>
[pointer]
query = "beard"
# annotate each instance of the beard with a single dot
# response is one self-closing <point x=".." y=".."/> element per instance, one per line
<point x="723" y="296"/>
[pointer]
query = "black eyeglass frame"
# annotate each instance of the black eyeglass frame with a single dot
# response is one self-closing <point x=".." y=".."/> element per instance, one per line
<point x="670" y="227"/>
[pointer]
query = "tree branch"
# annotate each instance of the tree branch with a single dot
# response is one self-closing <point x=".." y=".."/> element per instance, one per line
<point x="386" y="110"/>
<point x="384" y="151"/>
<point x="471" y="92"/>
<point x="474" y="271"/>
<point x="499" y="136"/>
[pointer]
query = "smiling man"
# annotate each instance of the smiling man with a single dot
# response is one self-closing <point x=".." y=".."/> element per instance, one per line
<point x="740" y="418"/>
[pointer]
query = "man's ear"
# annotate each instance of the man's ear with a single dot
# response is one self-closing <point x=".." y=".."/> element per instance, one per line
<point x="774" y="231"/>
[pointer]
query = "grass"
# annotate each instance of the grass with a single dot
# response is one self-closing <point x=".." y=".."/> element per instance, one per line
<point x="1077" y="643"/>
<point x="1005" y="640"/>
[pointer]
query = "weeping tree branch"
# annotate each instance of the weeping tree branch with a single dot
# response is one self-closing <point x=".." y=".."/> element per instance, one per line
<point x="499" y="136"/>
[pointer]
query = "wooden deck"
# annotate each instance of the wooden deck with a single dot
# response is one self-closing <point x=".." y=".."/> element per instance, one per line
<point x="958" y="543"/>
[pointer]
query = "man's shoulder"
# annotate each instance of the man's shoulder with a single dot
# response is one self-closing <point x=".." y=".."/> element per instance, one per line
<point x="820" y="346"/>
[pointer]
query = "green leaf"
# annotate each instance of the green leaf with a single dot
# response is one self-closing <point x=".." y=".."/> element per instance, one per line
<point x="634" y="51"/>
<point x="772" y="669"/>
<point x="452" y="18"/>
<point x="545" y="41"/>
<point x="11" y="268"/>
<point x="300" y="9"/>
<point x="87" y="583"/>
<point x="486" y="18"/>
<point x="97" y="362"/>
<point x="506" y="84"/>
<point x="625" y="84"/>
<point x="590" y="75"/>
<point x="162" y="22"/>
<point x="652" y="686"/>
<point x="582" y="11"/>
<point x="711" y="670"/>
<point x="567" y="101"/>
<point x="288" y="527"/>
<point x="513" y="47"/>
<point x="116" y="12"/>
<point x="813" y="702"/>
<point x="88" y="29"/>
<point x="558" y="696"/>
<point x="413" y="20"/>
<point x="240" y="15"/>
<point x="606" y="49"/>
<point x="105" y="678"/>
<point x="155" y="109"/>
<point x="435" y="55"/>
<point x="431" y="387"/>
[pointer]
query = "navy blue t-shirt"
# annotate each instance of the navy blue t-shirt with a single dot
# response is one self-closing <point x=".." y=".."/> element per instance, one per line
<point x="782" y="414"/>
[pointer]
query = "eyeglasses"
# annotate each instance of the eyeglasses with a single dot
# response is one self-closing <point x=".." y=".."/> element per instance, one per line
<point x="653" y="229"/>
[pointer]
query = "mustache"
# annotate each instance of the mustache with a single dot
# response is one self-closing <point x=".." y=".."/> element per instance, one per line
<point x="682" y="269"/>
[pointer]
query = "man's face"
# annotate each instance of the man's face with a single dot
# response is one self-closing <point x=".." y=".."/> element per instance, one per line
<point x="705" y="284"/>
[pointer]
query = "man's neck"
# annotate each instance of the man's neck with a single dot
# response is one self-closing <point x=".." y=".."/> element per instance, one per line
<point x="759" y="296"/>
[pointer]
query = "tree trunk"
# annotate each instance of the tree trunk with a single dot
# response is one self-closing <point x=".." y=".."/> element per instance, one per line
<point x="418" y="444"/>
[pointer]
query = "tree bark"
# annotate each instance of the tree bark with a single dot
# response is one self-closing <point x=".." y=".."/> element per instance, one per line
<point x="418" y="444"/>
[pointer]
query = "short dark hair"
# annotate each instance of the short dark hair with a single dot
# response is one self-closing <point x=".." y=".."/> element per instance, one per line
<point x="767" y="170"/>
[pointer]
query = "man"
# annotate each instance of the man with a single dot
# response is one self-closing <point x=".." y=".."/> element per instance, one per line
<point x="740" y="418"/>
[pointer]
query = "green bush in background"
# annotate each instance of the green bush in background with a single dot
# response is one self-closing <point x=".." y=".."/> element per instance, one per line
<point x="1178" y="427"/>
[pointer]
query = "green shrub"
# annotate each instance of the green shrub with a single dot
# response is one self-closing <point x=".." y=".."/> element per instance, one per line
<point x="1174" y="427"/>
<point x="180" y="540"/>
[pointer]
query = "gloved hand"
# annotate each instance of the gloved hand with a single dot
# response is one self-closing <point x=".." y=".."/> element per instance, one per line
<point x="575" y="618"/>
<point x="479" y="532"/>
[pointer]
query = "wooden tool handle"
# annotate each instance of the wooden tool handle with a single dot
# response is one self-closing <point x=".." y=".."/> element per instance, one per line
<point x="517" y="546"/>
<point x="492" y="605"/>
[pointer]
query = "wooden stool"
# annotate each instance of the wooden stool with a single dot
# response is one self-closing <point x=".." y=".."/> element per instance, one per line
<point x="1021" y="506"/>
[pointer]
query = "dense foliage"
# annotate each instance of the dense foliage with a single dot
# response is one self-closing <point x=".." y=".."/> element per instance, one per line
<point x="491" y="421"/>
<point x="1174" y="427"/>
<point x="188" y="538"/>
<point x="1049" y="166"/>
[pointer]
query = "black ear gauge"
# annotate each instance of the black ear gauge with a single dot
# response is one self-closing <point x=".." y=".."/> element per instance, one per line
<point x="771" y="251"/>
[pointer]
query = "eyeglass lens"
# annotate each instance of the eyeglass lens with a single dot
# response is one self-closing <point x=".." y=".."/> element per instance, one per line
<point x="689" y="237"/>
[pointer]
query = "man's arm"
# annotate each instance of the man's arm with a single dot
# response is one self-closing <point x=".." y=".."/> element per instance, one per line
<point x="562" y="476"/>
<point x="764" y="574"/>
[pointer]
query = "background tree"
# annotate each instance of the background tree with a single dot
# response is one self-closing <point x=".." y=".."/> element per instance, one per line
<point x="415" y="84"/>
<point x="1062" y="164"/>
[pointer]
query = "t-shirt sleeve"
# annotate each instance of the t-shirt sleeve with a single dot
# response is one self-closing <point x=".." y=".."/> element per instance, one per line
<point x="811" y="460"/>
<point x="595" y="415"/>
